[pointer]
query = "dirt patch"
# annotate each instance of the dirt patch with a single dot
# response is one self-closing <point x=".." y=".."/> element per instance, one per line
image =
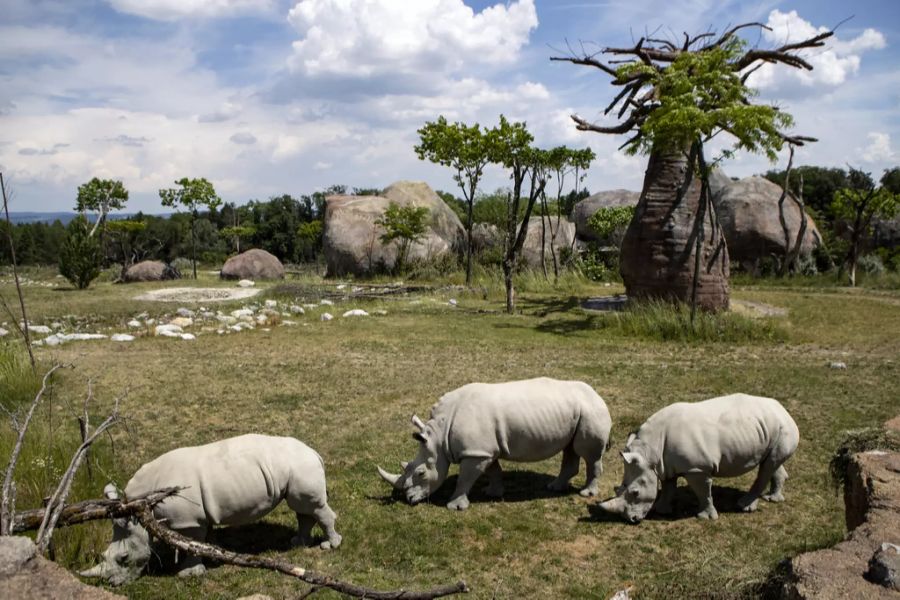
<point x="757" y="309"/>
<point x="198" y="294"/>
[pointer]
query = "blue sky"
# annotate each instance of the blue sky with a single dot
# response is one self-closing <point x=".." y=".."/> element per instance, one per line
<point x="265" y="97"/>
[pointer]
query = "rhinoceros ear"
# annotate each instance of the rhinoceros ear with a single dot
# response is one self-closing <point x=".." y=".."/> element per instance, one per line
<point x="632" y="458"/>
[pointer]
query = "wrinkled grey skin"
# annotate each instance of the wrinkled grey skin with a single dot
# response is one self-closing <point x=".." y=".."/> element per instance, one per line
<point x="723" y="437"/>
<point x="525" y="421"/>
<point x="230" y="482"/>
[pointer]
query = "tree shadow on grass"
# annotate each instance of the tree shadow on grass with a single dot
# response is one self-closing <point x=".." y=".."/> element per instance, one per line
<point x="562" y="326"/>
<point x="542" y="307"/>
<point x="684" y="505"/>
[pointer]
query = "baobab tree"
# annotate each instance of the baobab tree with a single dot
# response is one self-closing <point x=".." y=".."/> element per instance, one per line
<point x="675" y="97"/>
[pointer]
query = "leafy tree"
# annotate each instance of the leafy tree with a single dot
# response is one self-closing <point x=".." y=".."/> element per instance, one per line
<point x="406" y="225"/>
<point x="467" y="150"/>
<point x="890" y="180"/>
<point x="123" y="234"/>
<point x="80" y="255"/>
<point x="819" y="185"/>
<point x="101" y="196"/>
<point x="528" y="171"/>
<point x="677" y="97"/>
<point x="309" y="236"/>
<point x="236" y="232"/>
<point x="192" y="195"/>
<point x="609" y="223"/>
<point x="858" y="204"/>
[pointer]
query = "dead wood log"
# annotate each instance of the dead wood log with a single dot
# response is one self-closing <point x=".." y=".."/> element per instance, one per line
<point x="210" y="551"/>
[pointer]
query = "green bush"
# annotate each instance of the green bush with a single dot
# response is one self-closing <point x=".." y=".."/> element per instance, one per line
<point x="81" y="255"/>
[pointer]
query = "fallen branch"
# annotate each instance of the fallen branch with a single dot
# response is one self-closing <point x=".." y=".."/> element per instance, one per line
<point x="92" y="510"/>
<point x="210" y="551"/>
<point x="7" y="495"/>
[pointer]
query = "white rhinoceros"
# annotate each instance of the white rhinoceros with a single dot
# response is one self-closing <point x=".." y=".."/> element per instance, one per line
<point x="721" y="437"/>
<point x="229" y="482"/>
<point x="523" y="421"/>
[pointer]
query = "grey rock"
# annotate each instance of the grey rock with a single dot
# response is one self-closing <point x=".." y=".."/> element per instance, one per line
<point x="253" y="264"/>
<point x="151" y="270"/>
<point x="884" y="566"/>
<point x="585" y="209"/>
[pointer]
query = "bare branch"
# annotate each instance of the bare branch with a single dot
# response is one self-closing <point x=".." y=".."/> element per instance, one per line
<point x="57" y="501"/>
<point x="210" y="551"/>
<point x="583" y="125"/>
<point x="92" y="510"/>
<point x="7" y="496"/>
<point x="586" y="60"/>
<point x="728" y="34"/>
<point x="783" y="54"/>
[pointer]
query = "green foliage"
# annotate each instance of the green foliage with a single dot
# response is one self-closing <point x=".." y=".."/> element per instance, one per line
<point x="80" y="255"/>
<point x="861" y="440"/>
<point x="101" y="196"/>
<point x="237" y="233"/>
<point x="700" y="93"/>
<point x="193" y="194"/>
<point x="609" y="222"/>
<point x="309" y="236"/>
<point x="865" y="202"/>
<point x="406" y="224"/>
<point x="668" y="322"/>
<point x="819" y="187"/>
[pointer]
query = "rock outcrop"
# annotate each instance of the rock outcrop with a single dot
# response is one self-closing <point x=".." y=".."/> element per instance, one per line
<point x="25" y="574"/>
<point x="585" y="209"/>
<point x="563" y="237"/>
<point x="750" y="217"/>
<point x="150" y="270"/>
<point x="865" y="564"/>
<point x="351" y="238"/>
<point x="253" y="264"/>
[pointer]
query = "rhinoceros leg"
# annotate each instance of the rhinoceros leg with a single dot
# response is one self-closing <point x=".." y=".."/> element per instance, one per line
<point x="470" y="469"/>
<point x="190" y="565"/>
<point x="749" y="501"/>
<point x="567" y="470"/>
<point x="305" y="524"/>
<point x="326" y="519"/>
<point x="494" y="488"/>
<point x="702" y="486"/>
<point x="663" y="504"/>
<point x="776" y="486"/>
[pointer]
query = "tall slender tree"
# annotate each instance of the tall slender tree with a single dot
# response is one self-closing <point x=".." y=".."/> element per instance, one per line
<point x="101" y="196"/>
<point x="192" y="194"/>
<point x="676" y="96"/>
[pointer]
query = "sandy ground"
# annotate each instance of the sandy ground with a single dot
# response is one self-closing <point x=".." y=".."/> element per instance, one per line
<point x="188" y="294"/>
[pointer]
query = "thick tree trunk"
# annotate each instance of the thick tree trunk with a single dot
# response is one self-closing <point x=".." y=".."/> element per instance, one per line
<point x="659" y="248"/>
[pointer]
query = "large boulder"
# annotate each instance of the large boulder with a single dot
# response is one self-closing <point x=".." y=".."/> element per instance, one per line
<point x="562" y="236"/>
<point x="150" y="270"/>
<point x="486" y="237"/>
<point x="585" y="209"/>
<point x="253" y="264"/>
<point x="750" y="217"/>
<point x="351" y="238"/>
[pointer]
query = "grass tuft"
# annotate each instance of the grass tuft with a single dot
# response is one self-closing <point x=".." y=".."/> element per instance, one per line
<point x="854" y="442"/>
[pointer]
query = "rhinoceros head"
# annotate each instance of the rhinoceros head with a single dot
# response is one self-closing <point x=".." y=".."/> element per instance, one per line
<point x="125" y="558"/>
<point x="427" y="471"/>
<point x="639" y="487"/>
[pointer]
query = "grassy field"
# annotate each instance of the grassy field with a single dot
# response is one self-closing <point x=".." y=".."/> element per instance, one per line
<point x="348" y="388"/>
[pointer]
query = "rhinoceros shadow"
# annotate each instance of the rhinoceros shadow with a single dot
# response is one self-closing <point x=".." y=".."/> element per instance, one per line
<point x="519" y="486"/>
<point x="254" y="538"/>
<point x="684" y="505"/>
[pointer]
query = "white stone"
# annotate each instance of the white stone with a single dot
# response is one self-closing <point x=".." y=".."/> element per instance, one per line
<point x="56" y="325"/>
<point x="150" y="321"/>
<point x="342" y="286"/>
<point x="380" y="313"/>
<point x="288" y="323"/>
<point x="226" y="319"/>
<point x="60" y="338"/>
<point x="134" y="324"/>
<point x="39" y="328"/>
<point x="241" y="312"/>
<point x="182" y="322"/>
<point x="297" y="310"/>
<point x="356" y="312"/>
<point x="326" y="302"/>
<point x="262" y="319"/>
<point x="169" y="330"/>
<point x="310" y="305"/>
<point x="122" y="337"/>
<point x="452" y="302"/>
<point x="325" y="317"/>
<point x="271" y="303"/>
<point x="188" y="336"/>
<point x="185" y="312"/>
<point x="245" y="283"/>
<point x="3" y="332"/>
<point x="838" y="365"/>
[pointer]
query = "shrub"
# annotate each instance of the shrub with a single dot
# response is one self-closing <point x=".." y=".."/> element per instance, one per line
<point x="871" y="264"/>
<point x="80" y="255"/>
<point x="610" y="222"/>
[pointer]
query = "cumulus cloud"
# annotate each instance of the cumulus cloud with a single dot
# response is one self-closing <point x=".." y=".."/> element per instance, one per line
<point x="832" y="65"/>
<point x="126" y="140"/>
<point x="878" y="148"/>
<point x="171" y="10"/>
<point x="405" y="42"/>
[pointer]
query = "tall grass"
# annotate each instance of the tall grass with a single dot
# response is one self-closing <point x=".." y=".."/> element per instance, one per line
<point x="664" y="321"/>
<point x="50" y="441"/>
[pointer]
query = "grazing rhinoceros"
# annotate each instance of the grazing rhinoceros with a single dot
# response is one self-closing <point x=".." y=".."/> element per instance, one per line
<point x="229" y="482"/>
<point x="523" y="421"/>
<point x="722" y="437"/>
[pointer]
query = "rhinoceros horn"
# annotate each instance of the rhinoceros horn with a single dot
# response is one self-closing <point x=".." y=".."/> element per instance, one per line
<point x="418" y="423"/>
<point x="403" y="464"/>
<point x="615" y="505"/>
<point x="392" y="479"/>
<point x="98" y="570"/>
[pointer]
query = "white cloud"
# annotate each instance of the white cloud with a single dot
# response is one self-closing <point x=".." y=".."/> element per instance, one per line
<point x="832" y="64"/>
<point x="171" y="10"/>
<point x="244" y="138"/>
<point x="878" y="148"/>
<point x="360" y="39"/>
